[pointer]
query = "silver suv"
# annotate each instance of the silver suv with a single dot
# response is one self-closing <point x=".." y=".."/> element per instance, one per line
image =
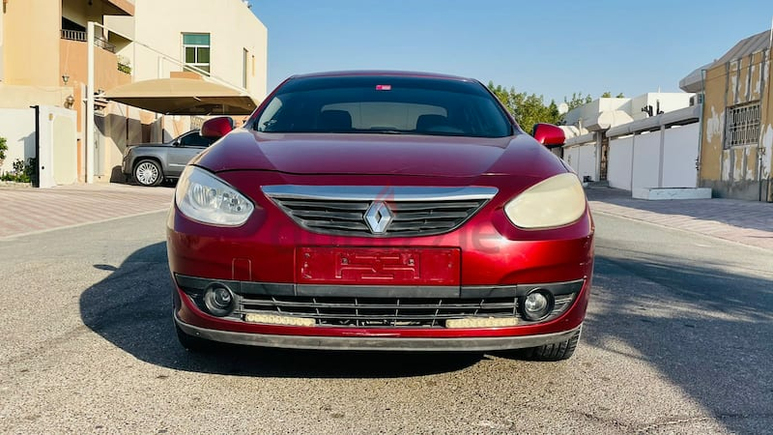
<point x="151" y="163"/>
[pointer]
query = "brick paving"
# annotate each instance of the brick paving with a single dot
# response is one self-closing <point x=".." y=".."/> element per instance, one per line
<point x="25" y="210"/>
<point x="746" y="222"/>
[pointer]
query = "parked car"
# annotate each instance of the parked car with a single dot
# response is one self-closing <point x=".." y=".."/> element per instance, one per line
<point x="151" y="163"/>
<point x="381" y="211"/>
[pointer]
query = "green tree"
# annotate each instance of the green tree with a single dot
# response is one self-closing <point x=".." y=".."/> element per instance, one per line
<point x="527" y="109"/>
<point x="577" y="100"/>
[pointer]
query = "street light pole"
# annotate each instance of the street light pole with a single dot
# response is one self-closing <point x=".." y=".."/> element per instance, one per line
<point x="89" y="146"/>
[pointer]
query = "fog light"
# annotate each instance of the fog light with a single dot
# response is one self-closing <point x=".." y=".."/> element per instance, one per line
<point x="481" y="322"/>
<point x="218" y="300"/>
<point x="537" y="305"/>
<point x="276" y="319"/>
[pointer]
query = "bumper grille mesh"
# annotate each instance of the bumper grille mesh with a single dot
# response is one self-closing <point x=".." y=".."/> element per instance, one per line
<point x="375" y="312"/>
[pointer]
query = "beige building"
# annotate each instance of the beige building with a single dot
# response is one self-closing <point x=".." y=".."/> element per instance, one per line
<point x="737" y="123"/>
<point x="220" y="37"/>
<point x="43" y="61"/>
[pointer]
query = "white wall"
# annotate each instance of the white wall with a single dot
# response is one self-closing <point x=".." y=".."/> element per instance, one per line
<point x="634" y="161"/>
<point x="669" y="102"/>
<point x="58" y="145"/>
<point x="619" y="164"/>
<point x="232" y="28"/>
<point x="681" y="151"/>
<point x="17" y="126"/>
<point x="646" y="160"/>
<point x="582" y="159"/>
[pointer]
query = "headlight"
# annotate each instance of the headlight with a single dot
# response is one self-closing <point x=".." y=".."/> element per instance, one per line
<point x="554" y="202"/>
<point x="205" y="198"/>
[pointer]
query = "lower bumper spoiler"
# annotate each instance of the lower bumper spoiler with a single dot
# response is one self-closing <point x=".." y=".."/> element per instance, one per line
<point x="460" y="344"/>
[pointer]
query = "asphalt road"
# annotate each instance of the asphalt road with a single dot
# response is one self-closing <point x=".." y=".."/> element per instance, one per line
<point x="677" y="340"/>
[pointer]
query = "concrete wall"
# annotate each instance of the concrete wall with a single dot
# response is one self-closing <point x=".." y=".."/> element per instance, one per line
<point x="620" y="167"/>
<point x="668" y="102"/>
<point x="118" y="125"/>
<point x="73" y="62"/>
<point x="2" y="37"/>
<point x="582" y="159"/>
<point x="58" y="158"/>
<point x="16" y="97"/>
<point x="646" y="158"/>
<point x="742" y="172"/>
<point x="232" y="27"/>
<point x="31" y="42"/>
<point x="681" y="146"/>
<point x="17" y="126"/>
<point x="640" y="161"/>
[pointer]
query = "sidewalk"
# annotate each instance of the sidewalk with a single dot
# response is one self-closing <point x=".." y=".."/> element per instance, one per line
<point x="745" y="222"/>
<point x="27" y="210"/>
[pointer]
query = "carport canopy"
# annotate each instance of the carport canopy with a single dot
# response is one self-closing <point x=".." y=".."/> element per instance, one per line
<point x="183" y="96"/>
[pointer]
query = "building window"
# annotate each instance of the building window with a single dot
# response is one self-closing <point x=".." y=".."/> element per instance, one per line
<point x="742" y="125"/>
<point x="196" y="51"/>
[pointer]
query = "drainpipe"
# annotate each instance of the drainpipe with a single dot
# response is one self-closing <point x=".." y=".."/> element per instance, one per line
<point x="36" y="170"/>
<point x="700" y="130"/>
<point x="760" y="147"/>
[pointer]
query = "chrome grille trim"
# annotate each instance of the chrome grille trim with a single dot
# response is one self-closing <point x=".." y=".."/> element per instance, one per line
<point x="382" y="193"/>
<point x="378" y="312"/>
<point x="418" y="211"/>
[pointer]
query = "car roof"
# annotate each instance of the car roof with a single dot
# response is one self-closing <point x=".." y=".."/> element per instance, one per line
<point x="387" y="73"/>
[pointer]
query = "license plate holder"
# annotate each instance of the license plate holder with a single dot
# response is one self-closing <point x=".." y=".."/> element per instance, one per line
<point x="378" y="266"/>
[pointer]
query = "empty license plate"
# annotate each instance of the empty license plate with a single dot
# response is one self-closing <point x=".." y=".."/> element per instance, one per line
<point x="374" y="266"/>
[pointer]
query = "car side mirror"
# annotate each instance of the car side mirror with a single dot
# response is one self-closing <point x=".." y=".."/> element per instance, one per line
<point x="548" y="134"/>
<point x="216" y="128"/>
<point x="176" y="143"/>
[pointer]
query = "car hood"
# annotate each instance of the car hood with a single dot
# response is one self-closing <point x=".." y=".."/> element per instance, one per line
<point x="328" y="154"/>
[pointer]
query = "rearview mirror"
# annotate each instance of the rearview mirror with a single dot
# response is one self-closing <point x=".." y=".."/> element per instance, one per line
<point x="216" y="128"/>
<point x="548" y="134"/>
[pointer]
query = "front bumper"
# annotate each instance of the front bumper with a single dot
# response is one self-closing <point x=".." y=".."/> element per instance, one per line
<point x="467" y="344"/>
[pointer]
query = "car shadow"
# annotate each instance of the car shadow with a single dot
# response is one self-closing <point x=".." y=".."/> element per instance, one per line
<point x="132" y="308"/>
<point x="703" y="328"/>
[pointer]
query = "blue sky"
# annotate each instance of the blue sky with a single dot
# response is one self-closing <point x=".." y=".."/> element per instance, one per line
<point x="551" y="48"/>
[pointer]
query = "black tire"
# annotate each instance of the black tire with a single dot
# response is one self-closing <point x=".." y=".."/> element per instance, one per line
<point x="194" y="344"/>
<point x="552" y="352"/>
<point x="148" y="173"/>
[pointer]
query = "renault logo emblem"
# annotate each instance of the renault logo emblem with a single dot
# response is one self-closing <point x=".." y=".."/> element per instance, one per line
<point x="378" y="217"/>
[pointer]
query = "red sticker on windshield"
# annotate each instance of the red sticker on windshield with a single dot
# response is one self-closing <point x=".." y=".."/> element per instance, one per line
<point x="383" y="87"/>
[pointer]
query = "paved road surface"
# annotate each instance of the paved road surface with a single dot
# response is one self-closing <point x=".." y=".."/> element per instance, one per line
<point x="677" y="341"/>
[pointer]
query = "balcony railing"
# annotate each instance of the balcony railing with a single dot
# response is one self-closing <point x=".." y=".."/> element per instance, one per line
<point x="76" y="35"/>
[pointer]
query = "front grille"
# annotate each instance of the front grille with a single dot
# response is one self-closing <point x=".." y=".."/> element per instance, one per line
<point x="415" y="211"/>
<point x="378" y="312"/>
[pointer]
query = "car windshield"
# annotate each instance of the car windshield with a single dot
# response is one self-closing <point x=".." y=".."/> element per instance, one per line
<point x="384" y="105"/>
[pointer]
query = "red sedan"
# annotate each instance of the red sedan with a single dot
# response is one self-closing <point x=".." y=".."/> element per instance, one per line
<point x="381" y="211"/>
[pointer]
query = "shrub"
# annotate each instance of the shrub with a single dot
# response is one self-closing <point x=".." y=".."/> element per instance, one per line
<point x="3" y="148"/>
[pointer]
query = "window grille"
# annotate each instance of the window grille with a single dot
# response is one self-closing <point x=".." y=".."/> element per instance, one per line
<point x="742" y="125"/>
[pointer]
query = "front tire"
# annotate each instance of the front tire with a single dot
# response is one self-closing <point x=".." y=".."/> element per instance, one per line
<point x="148" y="173"/>
<point x="552" y="352"/>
